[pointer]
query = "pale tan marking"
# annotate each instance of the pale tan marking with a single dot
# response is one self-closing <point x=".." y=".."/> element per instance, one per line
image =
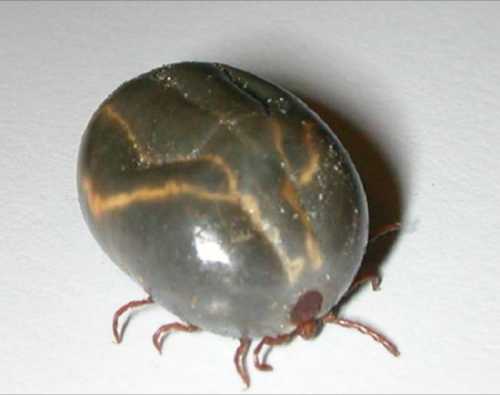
<point x="114" y="116"/>
<point x="101" y="205"/>
<point x="312" y="166"/>
<point x="149" y="160"/>
<point x="313" y="250"/>
<point x="293" y="267"/>
<point x="232" y="179"/>
<point x="289" y="194"/>
<point x="278" y="143"/>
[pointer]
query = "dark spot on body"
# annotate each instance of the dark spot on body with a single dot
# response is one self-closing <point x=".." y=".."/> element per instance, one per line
<point x="307" y="307"/>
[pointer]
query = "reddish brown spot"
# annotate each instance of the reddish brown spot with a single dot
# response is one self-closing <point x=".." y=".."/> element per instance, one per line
<point x="309" y="329"/>
<point x="307" y="307"/>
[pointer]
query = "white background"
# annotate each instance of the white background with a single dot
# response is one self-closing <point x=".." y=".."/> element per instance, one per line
<point x="414" y="92"/>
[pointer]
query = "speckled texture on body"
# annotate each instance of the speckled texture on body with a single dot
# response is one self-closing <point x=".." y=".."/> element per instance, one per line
<point x="223" y="195"/>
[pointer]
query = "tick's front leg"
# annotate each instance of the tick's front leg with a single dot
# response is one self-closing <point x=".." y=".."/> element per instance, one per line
<point x="364" y="329"/>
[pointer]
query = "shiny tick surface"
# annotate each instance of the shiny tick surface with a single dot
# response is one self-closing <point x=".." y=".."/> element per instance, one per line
<point x="225" y="197"/>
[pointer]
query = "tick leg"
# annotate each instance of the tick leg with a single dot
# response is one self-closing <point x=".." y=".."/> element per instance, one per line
<point x="379" y="338"/>
<point x="118" y="337"/>
<point x="364" y="278"/>
<point x="384" y="230"/>
<point x="164" y="330"/>
<point x="240" y="359"/>
<point x="271" y="342"/>
<point x="372" y="276"/>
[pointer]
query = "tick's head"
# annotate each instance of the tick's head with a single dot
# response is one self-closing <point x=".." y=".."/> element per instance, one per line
<point x="309" y="329"/>
<point x="305" y="312"/>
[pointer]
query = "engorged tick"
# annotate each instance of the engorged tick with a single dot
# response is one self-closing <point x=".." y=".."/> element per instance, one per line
<point x="229" y="201"/>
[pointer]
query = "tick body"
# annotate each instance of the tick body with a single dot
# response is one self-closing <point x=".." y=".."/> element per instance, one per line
<point x="225" y="197"/>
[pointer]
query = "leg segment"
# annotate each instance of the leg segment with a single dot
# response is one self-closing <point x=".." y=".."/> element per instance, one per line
<point x="118" y="337"/>
<point x="364" y="278"/>
<point x="164" y="330"/>
<point x="372" y="276"/>
<point x="240" y="359"/>
<point x="385" y="230"/>
<point x="271" y="342"/>
<point x="379" y="338"/>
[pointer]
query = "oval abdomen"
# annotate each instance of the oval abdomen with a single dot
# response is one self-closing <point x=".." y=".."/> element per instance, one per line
<point x="223" y="195"/>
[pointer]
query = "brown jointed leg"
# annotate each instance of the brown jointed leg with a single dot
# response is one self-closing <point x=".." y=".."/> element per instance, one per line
<point x="240" y="359"/>
<point x="372" y="276"/>
<point x="164" y="330"/>
<point x="379" y="338"/>
<point x="118" y="337"/>
<point x="363" y="278"/>
<point x="384" y="230"/>
<point x="271" y="342"/>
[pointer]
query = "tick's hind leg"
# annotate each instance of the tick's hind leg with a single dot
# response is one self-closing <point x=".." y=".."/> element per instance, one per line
<point x="384" y="230"/>
<point x="369" y="274"/>
<point x="379" y="338"/>
<point x="164" y="330"/>
<point x="240" y="360"/>
<point x="365" y="278"/>
<point x="118" y="336"/>
<point x="271" y="342"/>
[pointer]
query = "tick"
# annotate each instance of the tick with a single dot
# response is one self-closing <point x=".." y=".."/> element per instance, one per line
<point x="229" y="201"/>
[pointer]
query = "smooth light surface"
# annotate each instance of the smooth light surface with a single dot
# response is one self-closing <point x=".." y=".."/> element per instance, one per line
<point x="414" y="87"/>
<point x="224" y="197"/>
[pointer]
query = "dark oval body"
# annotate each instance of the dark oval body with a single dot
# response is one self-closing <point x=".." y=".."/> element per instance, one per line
<point x="224" y="196"/>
